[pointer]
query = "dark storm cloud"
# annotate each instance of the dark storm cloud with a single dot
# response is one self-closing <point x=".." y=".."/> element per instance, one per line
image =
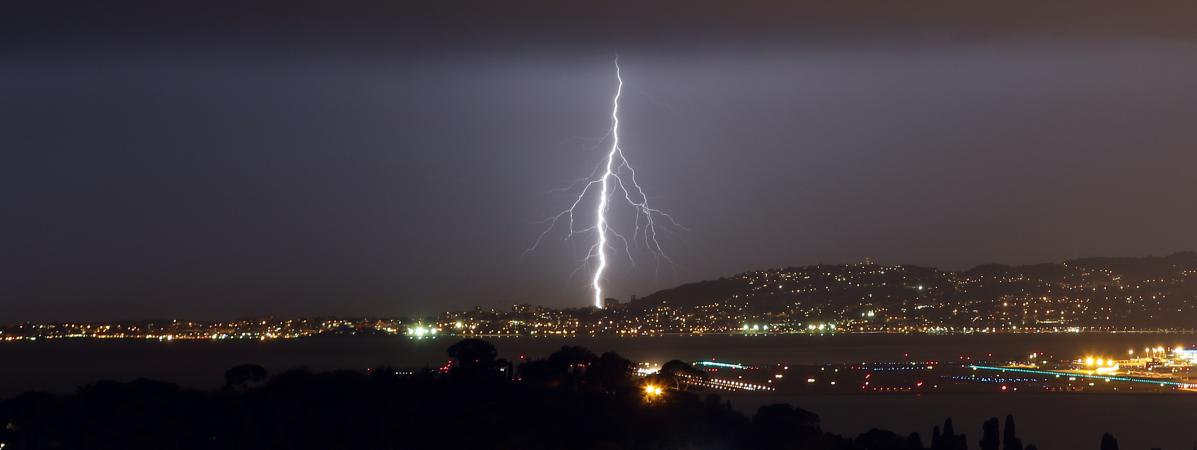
<point x="216" y="159"/>
<point x="434" y="25"/>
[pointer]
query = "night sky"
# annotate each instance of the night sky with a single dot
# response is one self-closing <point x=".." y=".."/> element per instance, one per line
<point x="223" y="159"/>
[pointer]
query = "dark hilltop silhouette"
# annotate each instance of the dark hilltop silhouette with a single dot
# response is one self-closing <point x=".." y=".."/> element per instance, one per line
<point x="573" y="399"/>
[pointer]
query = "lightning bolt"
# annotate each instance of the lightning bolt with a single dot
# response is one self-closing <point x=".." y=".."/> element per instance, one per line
<point x="614" y="175"/>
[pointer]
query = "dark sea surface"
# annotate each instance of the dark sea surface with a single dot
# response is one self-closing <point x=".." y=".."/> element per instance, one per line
<point x="1057" y="421"/>
<point x="1054" y="421"/>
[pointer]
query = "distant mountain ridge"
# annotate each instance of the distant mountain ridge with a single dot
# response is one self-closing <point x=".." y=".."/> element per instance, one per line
<point x="1129" y="265"/>
<point x="1150" y="289"/>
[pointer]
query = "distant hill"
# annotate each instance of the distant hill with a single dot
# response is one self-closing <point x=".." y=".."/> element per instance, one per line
<point x="1142" y="290"/>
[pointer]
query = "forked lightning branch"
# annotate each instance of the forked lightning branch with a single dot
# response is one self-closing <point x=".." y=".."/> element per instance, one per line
<point x="613" y="180"/>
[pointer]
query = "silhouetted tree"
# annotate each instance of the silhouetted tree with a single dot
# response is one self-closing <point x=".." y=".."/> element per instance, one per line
<point x="875" y="439"/>
<point x="782" y="426"/>
<point x="242" y="375"/>
<point x="475" y="358"/>
<point x="572" y="357"/>
<point x="611" y="372"/>
<point x="1108" y="442"/>
<point x="1010" y="440"/>
<point x="949" y="440"/>
<point x="577" y="366"/>
<point x="989" y="435"/>
<point x="473" y="353"/>
<point x="304" y="410"/>
<point x="949" y="432"/>
<point x="914" y="441"/>
<point x="539" y="372"/>
<point x="674" y="370"/>
<point x="572" y="362"/>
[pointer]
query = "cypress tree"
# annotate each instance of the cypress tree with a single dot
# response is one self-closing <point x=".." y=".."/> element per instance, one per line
<point x="1010" y="440"/>
<point x="1108" y="442"/>
<point x="989" y="435"/>
<point x="914" y="441"/>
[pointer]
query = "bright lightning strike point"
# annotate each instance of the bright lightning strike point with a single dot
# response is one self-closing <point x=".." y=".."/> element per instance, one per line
<point x="601" y="214"/>
<point x="614" y="175"/>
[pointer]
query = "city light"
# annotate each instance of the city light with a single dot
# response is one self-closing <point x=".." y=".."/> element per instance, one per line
<point x="1189" y="355"/>
<point x="646" y="370"/>
<point x="421" y="331"/>
<point x="653" y="391"/>
<point x="1076" y="375"/>
<point x="720" y="365"/>
<point x="735" y="314"/>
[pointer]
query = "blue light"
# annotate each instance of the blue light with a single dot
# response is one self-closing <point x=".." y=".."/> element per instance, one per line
<point x="720" y="364"/>
<point x="1077" y="375"/>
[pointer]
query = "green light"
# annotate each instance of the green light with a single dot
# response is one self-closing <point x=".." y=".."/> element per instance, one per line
<point x="720" y="364"/>
<point x="1099" y="377"/>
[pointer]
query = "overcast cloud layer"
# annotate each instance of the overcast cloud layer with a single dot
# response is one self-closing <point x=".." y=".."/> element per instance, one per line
<point x="226" y="159"/>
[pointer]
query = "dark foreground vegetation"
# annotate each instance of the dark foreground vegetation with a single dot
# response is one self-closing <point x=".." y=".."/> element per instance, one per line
<point x="573" y="399"/>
